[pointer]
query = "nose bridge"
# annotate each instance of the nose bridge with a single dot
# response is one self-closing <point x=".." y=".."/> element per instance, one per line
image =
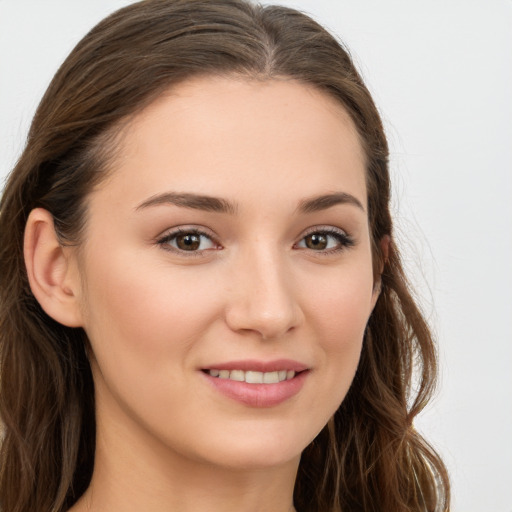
<point x="263" y="298"/>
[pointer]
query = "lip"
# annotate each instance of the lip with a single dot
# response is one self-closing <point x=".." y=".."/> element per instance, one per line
<point x="259" y="395"/>
<point x="259" y="366"/>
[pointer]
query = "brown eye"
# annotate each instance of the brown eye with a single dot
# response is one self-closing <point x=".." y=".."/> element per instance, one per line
<point x="327" y="241"/>
<point x="188" y="241"/>
<point x="317" y="241"/>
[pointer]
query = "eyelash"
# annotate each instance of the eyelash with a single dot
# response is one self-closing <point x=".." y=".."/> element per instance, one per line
<point x="343" y="240"/>
<point x="165" y="241"/>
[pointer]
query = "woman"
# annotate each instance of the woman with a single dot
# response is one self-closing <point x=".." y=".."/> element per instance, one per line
<point x="202" y="303"/>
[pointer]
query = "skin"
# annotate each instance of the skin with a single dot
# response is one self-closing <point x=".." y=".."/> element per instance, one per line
<point x="156" y="316"/>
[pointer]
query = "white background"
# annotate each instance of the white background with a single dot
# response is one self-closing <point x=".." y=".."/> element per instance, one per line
<point x="441" y="74"/>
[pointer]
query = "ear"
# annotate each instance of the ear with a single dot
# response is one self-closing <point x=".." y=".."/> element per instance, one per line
<point x="384" y="250"/>
<point x="51" y="269"/>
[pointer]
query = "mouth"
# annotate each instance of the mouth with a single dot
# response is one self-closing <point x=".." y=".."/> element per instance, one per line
<point x="252" y="377"/>
<point x="257" y="383"/>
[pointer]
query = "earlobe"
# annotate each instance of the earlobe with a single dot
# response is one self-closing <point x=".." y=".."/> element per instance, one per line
<point x="51" y="271"/>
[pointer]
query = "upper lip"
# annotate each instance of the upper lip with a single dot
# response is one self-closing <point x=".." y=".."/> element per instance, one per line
<point x="259" y="366"/>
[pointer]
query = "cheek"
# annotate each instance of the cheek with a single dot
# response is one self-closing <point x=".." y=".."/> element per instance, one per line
<point x="340" y="316"/>
<point x="145" y="311"/>
<point x="342" y="305"/>
<point x="144" y="328"/>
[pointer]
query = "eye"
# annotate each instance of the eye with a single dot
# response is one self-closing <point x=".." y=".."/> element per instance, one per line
<point x="325" y="240"/>
<point x="187" y="240"/>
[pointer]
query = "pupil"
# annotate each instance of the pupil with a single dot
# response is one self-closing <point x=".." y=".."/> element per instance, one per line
<point x="316" y="241"/>
<point x="188" y="242"/>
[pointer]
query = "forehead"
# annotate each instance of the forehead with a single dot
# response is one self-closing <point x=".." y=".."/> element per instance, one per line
<point x="226" y="135"/>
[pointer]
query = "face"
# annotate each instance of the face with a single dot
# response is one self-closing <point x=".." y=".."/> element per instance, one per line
<point x="227" y="273"/>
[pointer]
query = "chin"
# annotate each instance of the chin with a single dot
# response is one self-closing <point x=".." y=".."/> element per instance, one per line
<point x="259" y="449"/>
<point x="257" y="459"/>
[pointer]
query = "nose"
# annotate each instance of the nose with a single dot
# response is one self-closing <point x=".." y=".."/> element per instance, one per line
<point x="263" y="299"/>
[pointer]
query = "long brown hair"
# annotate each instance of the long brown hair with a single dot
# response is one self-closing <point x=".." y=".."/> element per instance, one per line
<point x="368" y="457"/>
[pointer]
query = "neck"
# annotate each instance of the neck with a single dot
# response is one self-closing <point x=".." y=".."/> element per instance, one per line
<point x="136" y="473"/>
<point x="208" y="489"/>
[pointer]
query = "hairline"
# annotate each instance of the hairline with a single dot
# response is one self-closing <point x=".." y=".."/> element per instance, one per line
<point x="106" y="148"/>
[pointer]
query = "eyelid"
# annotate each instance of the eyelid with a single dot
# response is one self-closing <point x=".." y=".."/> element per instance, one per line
<point x="171" y="233"/>
<point x="346" y="241"/>
<point x="324" y="229"/>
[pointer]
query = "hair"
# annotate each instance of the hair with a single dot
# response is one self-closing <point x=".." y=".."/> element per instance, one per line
<point x="368" y="457"/>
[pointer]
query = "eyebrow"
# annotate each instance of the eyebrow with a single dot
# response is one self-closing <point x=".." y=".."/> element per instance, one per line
<point x="219" y="205"/>
<point x="323" y="202"/>
<point x="194" y="201"/>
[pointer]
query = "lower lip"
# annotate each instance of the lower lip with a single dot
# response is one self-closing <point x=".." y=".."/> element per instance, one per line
<point x="259" y="395"/>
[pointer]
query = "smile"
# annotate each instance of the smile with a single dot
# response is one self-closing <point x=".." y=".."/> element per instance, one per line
<point x="253" y="377"/>
<point x="258" y="383"/>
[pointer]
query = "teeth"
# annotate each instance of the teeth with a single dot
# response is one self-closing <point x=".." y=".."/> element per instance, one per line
<point x="270" y="378"/>
<point x="237" y="375"/>
<point x="253" y="377"/>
